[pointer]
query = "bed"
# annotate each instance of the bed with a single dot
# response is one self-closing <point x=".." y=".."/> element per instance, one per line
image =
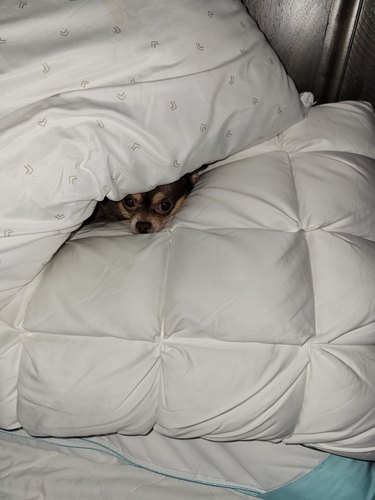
<point x="232" y="354"/>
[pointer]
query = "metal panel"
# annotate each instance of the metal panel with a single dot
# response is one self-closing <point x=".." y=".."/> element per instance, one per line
<point x="296" y="30"/>
<point x="326" y="46"/>
<point x="359" y="77"/>
<point x="341" y="24"/>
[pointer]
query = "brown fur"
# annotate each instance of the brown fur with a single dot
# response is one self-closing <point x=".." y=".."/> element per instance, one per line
<point x="148" y="212"/>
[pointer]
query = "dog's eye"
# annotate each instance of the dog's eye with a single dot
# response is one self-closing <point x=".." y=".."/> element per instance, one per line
<point x="129" y="202"/>
<point x="165" y="206"/>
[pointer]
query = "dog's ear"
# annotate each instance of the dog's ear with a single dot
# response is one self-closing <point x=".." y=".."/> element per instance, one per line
<point x="194" y="176"/>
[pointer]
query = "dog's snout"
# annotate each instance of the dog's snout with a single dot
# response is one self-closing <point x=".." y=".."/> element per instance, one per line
<point x="143" y="227"/>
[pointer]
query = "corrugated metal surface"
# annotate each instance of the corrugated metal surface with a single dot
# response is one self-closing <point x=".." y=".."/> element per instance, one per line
<point x="296" y="30"/>
<point x="358" y="80"/>
<point x="327" y="46"/>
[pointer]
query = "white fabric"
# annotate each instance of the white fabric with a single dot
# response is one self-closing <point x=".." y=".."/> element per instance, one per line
<point x="110" y="97"/>
<point x="250" y="317"/>
<point x="31" y="470"/>
<point x="254" y="467"/>
<point x="257" y="466"/>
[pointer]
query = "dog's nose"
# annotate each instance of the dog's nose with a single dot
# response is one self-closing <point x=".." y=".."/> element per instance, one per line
<point x="143" y="227"/>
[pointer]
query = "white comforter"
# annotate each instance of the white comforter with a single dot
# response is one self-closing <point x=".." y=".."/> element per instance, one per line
<point x="250" y="317"/>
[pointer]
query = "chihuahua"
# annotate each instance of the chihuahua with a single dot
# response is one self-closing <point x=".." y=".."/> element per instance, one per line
<point x="148" y="212"/>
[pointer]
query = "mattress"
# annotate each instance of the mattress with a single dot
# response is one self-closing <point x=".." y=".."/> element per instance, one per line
<point x="231" y="354"/>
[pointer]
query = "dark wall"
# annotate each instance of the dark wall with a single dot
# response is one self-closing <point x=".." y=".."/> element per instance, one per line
<point x="327" y="46"/>
<point x="359" y="76"/>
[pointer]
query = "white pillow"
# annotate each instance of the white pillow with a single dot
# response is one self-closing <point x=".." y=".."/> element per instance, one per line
<point x="150" y="90"/>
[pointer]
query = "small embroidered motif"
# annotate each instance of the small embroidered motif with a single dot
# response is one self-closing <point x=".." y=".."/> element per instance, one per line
<point x="122" y="96"/>
<point x="29" y="169"/>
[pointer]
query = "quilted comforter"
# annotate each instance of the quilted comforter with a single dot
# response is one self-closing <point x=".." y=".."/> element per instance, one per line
<point x="250" y="317"/>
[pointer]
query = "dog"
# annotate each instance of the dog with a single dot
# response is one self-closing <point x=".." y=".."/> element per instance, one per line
<point x="148" y="212"/>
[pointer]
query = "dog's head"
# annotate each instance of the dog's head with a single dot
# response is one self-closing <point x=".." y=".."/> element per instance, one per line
<point x="149" y="212"/>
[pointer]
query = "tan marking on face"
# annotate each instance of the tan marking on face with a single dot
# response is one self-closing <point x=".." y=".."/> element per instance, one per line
<point x="123" y="210"/>
<point x="158" y="197"/>
<point x="178" y="205"/>
<point x="138" y="197"/>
